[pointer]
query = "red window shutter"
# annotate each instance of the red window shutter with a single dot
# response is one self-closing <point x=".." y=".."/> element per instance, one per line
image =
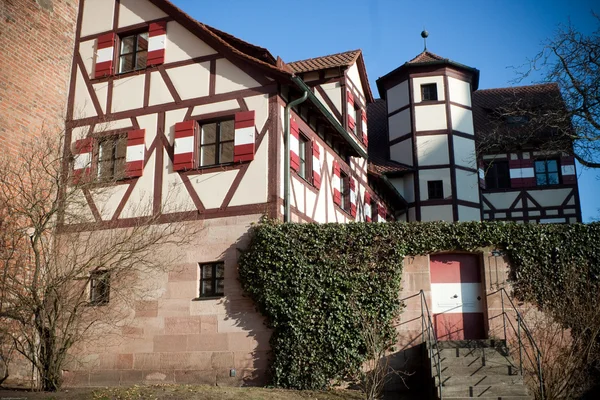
<point x="157" y="41"/>
<point x="352" y="196"/>
<point x="515" y="173"/>
<point x="244" y="147"/>
<point x="294" y="145"/>
<point x="337" y="197"/>
<point x="316" y="164"/>
<point x="364" y="128"/>
<point x="350" y="110"/>
<point x="567" y="170"/>
<point x="105" y="54"/>
<point x="82" y="160"/>
<point x="527" y="173"/>
<point x="367" y="207"/>
<point x="382" y="212"/>
<point x="185" y="135"/>
<point x="136" y="151"/>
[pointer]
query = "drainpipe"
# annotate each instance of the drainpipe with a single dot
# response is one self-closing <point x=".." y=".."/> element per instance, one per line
<point x="286" y="151"/>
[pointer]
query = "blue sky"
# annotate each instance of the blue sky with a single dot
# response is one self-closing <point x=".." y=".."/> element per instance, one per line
<point x="493" y="36"/>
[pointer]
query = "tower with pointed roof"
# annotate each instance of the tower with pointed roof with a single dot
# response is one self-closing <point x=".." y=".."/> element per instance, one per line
<point x="430" y="124"/>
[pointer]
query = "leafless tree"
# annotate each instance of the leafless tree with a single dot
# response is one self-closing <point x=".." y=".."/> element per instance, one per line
<point x="58" y="284"/>
<point x="568" y="336"/>
<point x="555" y="119"/>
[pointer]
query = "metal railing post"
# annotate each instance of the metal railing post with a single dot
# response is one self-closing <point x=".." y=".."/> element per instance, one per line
<point x="422" y="318"/>
<point x="503" y="317"/>
<point x="520" y="348"/>
<point x="541" y="376"/>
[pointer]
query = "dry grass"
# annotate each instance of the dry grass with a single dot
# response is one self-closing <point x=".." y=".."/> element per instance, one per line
<point x="176" y="392"/>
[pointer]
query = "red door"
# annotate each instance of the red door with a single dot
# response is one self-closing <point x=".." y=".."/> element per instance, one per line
<point x="457" y="297"/>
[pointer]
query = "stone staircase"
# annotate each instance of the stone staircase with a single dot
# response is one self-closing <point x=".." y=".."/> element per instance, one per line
<point x="478" y="369"/>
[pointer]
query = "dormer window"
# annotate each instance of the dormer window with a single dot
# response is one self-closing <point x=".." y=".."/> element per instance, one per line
<point x="429" y="92"/>
<point x="133" y="52"/>
<point x="517" y="119"/>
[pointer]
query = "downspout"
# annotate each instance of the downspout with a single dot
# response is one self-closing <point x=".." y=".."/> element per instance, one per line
<point x="286" y="151"/>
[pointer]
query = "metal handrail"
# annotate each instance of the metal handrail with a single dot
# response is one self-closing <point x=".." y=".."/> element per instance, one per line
<point x="522" y="326"/>
<point x="428" y="328"/>
<point x="431" y="334"/>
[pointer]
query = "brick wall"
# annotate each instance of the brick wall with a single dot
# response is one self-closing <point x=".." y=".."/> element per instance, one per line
<point x="36" y="47"/>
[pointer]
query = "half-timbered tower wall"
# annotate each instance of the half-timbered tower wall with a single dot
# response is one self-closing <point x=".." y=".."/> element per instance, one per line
<point x="431" y="129"/>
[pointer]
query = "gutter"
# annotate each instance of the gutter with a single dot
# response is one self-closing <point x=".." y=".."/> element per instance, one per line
<point x="286" y="151"/>
<point x="338" y="127"/>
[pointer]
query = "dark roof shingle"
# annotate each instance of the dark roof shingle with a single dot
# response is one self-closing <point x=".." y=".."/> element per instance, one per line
<point x="378" y="140"/>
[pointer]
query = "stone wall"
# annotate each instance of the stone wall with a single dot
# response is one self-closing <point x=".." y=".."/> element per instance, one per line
<point x="173" y="337"/>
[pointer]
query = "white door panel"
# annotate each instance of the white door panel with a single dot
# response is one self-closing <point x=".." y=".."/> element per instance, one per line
<point x="456" y="298"/>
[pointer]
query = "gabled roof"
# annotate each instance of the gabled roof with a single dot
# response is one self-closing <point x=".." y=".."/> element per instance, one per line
<point x="339" y="60"/>
<point x="425" y="59"/>
<point x="228" y="44"/>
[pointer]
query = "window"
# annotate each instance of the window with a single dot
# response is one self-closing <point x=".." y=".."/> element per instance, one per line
<point x="516" y="120"/>
<point x="546" y="172"/>
<point x="212" y="279"/>
<point x="99" y="287"/>
<point x="133" y="53"/>
<point x="345" y="191"/>
<point x="429" y="92"/>
<point x="356" y="116"/>
<point x="111" y="157"/>
<point x="216" y="143"/>
<point x="435" y="189"/>
<point x="497" y="175"/>
<point x="374" y="211"/>
<point x="305" y="157"/>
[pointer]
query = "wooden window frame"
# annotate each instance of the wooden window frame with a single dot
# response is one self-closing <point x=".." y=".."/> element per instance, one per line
<point x="123" y="36"/>
<point x="546" y="173"/>
<point x="213" y="279"/>
<point x="305" y="168"/>
<point x="344" y="191"/>
<point x="424" y="89"/>
<point x="218" y="143"/>
<point x="99" y="297"/>
<point x="435" y="190"/>
<point x="492" y="178"/>
<point x="116" y="173"/>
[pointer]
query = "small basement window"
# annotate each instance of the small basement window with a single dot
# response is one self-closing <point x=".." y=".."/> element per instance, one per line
<point x="133" y="52"/>
<point x="435" y="190"/>
<point x="99" y="287"/>
<point x="212" y="279"/>
<point x="429" y="92"/>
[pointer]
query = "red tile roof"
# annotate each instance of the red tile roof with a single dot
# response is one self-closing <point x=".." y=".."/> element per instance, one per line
<point x="229" y="43"/>
<point x="344" y="59"/>
<point x="426" y="56"/>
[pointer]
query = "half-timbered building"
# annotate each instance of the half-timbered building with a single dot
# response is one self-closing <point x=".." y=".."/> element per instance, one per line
<point x="175" y="120"/>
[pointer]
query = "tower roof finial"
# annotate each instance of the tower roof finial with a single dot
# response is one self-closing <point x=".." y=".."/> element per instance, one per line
<point x="424" y="35"/>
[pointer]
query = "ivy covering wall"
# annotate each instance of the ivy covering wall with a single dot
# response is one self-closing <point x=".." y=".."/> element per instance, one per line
<point x="317" y="283"/>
